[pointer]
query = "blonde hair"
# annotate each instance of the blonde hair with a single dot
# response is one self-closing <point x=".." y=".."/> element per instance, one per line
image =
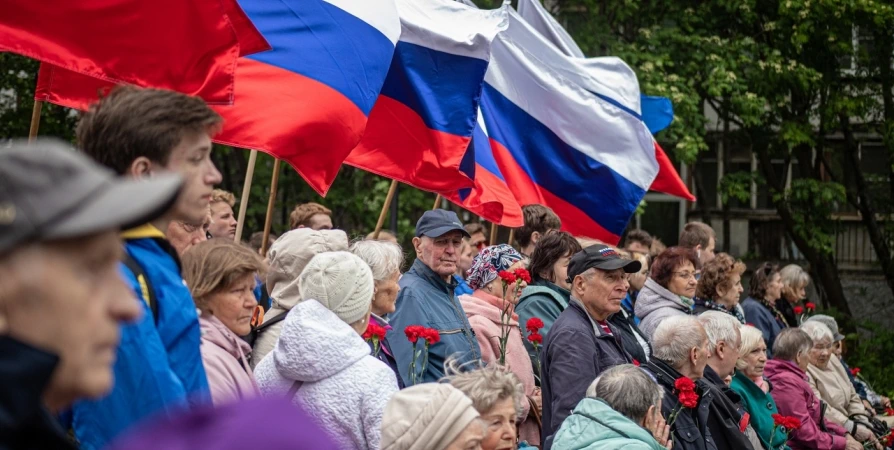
<point x="220" y="195"/>
<point x="215" y="265"/>
<point x="793" y="277"/>
<point x="751" y="339"/>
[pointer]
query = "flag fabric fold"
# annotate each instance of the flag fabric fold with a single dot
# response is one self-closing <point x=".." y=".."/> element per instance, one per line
<point x="305" y="101"/>
<point x="560" y="144"/>
<point x="190" y="46"/>
<point x="420" y="127"/>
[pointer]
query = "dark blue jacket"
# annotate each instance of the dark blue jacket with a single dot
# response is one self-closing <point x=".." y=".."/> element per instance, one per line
<point x="573" y="355"/>
<point x="426" y="299"/>
<point x="158" y="367"/>
<point x="690" y="428"/>
<point x="763" y="319"/>
<point x="385" y="354"/>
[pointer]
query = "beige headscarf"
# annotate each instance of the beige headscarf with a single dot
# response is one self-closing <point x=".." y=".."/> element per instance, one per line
<point x="290" y="254"/>
<point x="427" y="416"/>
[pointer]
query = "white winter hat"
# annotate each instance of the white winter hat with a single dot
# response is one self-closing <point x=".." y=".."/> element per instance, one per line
<point x="341" y="282"/>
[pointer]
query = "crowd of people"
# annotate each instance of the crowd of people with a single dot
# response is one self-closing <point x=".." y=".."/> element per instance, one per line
<point x="131" y="318"/>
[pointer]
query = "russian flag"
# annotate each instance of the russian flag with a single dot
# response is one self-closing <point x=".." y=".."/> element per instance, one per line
<point x="421" y="125"/>
<point x="620" y="85"/>
<point x="305" y="101"/>
<point x="491" y="197"/>
<point x="560" y="144"/>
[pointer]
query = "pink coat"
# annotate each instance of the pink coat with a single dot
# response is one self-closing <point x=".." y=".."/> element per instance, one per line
<point x="483" y="311"/>
<point x="225" y="357"/>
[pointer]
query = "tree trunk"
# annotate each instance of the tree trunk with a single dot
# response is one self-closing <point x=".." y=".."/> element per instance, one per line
<point x="727" y="162"/>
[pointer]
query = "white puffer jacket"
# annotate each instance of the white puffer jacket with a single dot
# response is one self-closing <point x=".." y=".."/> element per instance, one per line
<point x="343" y="386"/>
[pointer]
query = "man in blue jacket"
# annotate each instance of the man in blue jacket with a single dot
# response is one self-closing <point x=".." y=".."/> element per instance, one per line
<point x="427" y="298"/>
<point x="144" y="133"/>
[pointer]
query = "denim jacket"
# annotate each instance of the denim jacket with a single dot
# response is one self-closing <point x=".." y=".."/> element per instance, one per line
<point x="426" y="299"/>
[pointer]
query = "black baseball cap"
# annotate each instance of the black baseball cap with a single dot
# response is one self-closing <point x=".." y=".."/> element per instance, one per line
<point x="438" y="222"/>
<point x="48" y="190"/>
<point x="601" y="257"/>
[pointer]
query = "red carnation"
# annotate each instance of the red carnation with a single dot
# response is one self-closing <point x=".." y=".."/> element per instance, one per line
<point x="535" y="338"/>
<point x="534" y="324"/>
<point x="636" y="363"/>
<point x="373" y="330"/>
<point x="810" y="306"/>
<point x="889" y="411"/>
<point x="688" y="399"/>
<point x="799" y="310"/>
<point x="506" y="276"/>
<point x="855" y="371"/>
<point x="523" y="275"/>
<point x="414" y="332"/>
<point x="431" y="335"/>
<point x="684" y="384"/>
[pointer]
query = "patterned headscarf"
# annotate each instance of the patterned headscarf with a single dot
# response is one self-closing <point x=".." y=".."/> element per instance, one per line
<point x="489" y="262"/>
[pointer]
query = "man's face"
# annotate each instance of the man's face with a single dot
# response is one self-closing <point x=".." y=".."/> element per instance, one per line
<point x="465" y="259"/>
<point x="223" y="222"/>
<point x="727" y="365"/>
<point x="638" y="247"/>
<point x="192" y="160"/>
<point x="602" y="291"/>
<point x="706" y="254"/>
<point x="184" y="236"/>
<point x="701" y="360"/>
<point x="320" y="222"/>
<point x="76" y="300"/>
<point x="440" y="254"/>
<point x="478" y="241"/>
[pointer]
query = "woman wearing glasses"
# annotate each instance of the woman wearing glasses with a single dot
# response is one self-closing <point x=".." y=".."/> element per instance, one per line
<point x="760" y="306"/>
<point x="669" y="290"/>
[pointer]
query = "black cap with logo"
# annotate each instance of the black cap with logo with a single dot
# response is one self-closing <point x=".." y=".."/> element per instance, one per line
<point x="600" y="257"/>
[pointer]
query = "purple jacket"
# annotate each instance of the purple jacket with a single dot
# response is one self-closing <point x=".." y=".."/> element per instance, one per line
<point x="793" y="397"/>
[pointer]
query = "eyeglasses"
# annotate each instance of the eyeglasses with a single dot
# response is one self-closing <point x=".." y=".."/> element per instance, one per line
<point x="685" y="275"/>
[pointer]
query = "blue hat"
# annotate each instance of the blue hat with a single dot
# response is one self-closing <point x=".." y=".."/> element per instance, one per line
<point x="438" y="222"/>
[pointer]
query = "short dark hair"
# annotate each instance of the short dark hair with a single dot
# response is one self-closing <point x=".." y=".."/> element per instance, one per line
<point x="302" y="213"/>
<point x="695" y="234"/>
<point x="668" y="261"/>
<point x="549" y="250"/>
<point x="640" y="236"/>
<point x="760" y="279"/>
<point x="131" y="122"/>
<point x="257" y="238"/>
<point x="538" y="218"/>
<point x="474" y="227"/>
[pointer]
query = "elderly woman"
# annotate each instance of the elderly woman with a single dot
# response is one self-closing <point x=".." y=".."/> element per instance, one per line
<point x="431" y="416"/>
<point x="669" y="290"/>
<point x="794" y="397"/>
<point x="320" y="360"/>
<point x="720" y="286"/>
<point x="221" y="277"/>
<point x="385" y="259"/>
<point x="754" y="389"/>
<point x="794" y="289"/>
<point x="549" y="293"/>
<point x="760" y="306"/>
<point x="622" y="411"/>
<point x="831" y="385"/>
<point x="485" y="309"/>
<point x="498" y="396"/>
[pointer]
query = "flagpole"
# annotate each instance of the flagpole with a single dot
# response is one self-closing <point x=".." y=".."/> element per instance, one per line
<point x="274" y="181"/>
<point x="246" y="191"/>
<point x="493" y="233"/>
<point x="437" y="202"/>
<point x="385" y="207"/>
<point x="35" y="119"/>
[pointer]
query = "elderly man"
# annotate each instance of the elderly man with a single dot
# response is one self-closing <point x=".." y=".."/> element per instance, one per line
<point x="427" y="298"/>
<point x="680" y="354"/>
<point x="62" y="297"/>
<point x="581" y="344"/>
<point x="728" y="416"/>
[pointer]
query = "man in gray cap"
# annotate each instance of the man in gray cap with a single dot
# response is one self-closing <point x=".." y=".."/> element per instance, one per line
<point x="62" y="297"/>
<point x="427" y="298"/>
<point x="581" y="344"/>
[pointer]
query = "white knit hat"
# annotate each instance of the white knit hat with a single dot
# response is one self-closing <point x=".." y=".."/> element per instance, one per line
<point x="341" y="282"/>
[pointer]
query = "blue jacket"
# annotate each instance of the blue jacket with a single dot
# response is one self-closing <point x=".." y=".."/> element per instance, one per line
<point x="763" y="319"/>
<point x="462" y="288"/>
<point x="627" y="304"/>
<point x="426" y="299"/>
<point x="158" y="367"/>
<point x="596" y="426"/>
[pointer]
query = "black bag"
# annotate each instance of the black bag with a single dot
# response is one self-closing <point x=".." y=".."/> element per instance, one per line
<point x="256" y="331"/>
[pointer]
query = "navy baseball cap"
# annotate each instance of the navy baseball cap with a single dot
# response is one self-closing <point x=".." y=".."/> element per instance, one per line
<point x="438" y="222"/>
<point x="601" y="257"/>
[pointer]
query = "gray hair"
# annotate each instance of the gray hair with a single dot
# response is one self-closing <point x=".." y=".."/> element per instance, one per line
<point x="719" y="326"/>
<point x="384" y="258"/>
<point x="793" y="276"/>
<point x="817" y="331"/>
<point x="675" y="337"/>
<point x="751" y="339"/>
<point x="791" y="342"/>
<point x="628" y="390"/>
<point x="486" y="386"/>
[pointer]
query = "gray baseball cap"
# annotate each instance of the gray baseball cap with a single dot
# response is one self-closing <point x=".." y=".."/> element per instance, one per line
<point x="50" y="191"/>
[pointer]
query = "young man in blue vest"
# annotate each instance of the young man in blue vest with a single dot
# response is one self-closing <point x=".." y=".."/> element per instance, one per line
<point x="142" y="134"/>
